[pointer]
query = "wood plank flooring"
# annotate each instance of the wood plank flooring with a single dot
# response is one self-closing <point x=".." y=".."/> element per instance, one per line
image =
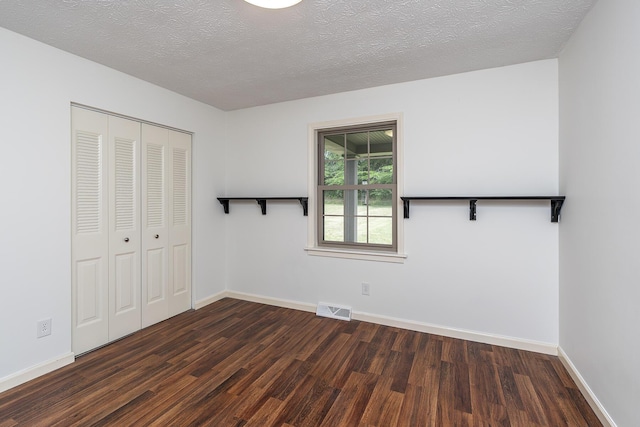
<point x="235" y="363"/>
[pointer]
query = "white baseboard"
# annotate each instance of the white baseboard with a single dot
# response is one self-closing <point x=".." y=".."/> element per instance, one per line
<point x="504" y="341"/>
<point x="586" y="391"/>
<point x="284" y="303"/>
<point x="33" y="372"/>
<point x="209" y="300"/>
<point x="521" y="344"/>
<point x="255" y="298"/>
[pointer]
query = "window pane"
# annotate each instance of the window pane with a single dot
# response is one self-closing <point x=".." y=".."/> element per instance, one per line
<point x="381" y="143"/>
<point x="351" y="171"/>
<point x="380" y="231"/>
<point x="350" y="202"/>
<point x="334" y="159"/>
<point x="333" y="221"/>
<point x="333" y="228"/>
<point x="363" y="171"/>
<point x="380" y="202"/>
<point x="350" y="229"/>
<point x="362" y="229"/>
<point x="333" y="202"/>
<point x="363" y="202"/>
<point x="357" y="145"/>
<point x="355" y="229"/>
<point x="381" y="171"/>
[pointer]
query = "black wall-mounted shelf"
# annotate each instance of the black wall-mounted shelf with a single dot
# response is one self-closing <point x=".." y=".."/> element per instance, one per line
<point x="556" y="203"/>
<point x="262" y="201"/>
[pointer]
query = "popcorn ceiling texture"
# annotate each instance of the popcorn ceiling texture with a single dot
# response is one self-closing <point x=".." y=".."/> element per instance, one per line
<point x="230" y="54"/>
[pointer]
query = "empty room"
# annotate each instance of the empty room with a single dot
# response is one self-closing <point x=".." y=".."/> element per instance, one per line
<point x="320" y="213"/>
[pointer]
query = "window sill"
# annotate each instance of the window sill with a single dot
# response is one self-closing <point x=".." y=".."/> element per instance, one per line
<point x="359" y="255"/>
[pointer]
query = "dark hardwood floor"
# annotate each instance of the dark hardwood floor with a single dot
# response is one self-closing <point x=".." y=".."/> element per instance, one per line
<point x="235" y="363"/>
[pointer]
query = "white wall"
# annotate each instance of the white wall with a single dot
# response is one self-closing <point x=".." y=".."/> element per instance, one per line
<point x="491" y="132"/>
<point x="38" y="85"/>
<point x="599" y="164"/>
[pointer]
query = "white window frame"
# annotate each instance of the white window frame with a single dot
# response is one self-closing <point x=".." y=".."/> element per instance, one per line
<point x="397" y="256"/>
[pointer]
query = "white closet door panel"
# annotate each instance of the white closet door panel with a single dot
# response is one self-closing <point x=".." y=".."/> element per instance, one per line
<point x="179" y="222"/>
<point x="126" y="286"/>
<point x="156" y="289"/>
<point x="91" y="322"/>
<point x="180" y="266"/>
<point x="89" y="275"/>
<point x="155" y="238"/>
<point x="90" y="231"/>
<point x="125" y="309"/>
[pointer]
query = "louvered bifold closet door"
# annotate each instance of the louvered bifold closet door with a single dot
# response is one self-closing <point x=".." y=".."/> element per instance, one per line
<point x="125" y="312"/>
<point x="90" y="230"/>
<point x="179" y="222"/>
<point x="155" y="236"/>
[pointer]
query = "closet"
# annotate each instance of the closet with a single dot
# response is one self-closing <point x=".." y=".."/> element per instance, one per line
<point x="131" y="226"/>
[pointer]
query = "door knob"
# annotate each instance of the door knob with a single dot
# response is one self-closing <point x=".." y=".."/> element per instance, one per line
<point x="157" y="235"/>
<point x="126" y="239"/>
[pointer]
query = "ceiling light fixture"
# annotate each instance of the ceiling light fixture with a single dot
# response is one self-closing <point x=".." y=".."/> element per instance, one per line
<point x="273" y="4"/>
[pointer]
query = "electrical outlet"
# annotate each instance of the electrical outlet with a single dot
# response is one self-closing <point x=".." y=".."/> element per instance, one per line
<point x="366" y="289"/>
<point x="44" y="328"/>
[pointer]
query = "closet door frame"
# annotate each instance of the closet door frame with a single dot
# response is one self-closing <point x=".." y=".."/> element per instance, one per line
<point x="91" y="323"/>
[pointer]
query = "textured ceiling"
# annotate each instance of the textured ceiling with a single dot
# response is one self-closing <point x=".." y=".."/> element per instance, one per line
<point x="230" y="54"/>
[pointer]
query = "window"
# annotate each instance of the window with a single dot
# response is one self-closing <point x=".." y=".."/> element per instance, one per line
<point x="357" y="187"/>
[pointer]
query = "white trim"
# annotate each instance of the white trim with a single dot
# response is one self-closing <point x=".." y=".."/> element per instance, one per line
<point x="511" y="342"/>
<point x="312" y="170"/>
<point x="501" y="340"/>
<point x="586" y="391"/>
<point x="278" y="302"/>
<point x="354" y="254"/>
<point x="209" y="300"/>
<point x="122" y="116"/>
<point x="36" y="371"/>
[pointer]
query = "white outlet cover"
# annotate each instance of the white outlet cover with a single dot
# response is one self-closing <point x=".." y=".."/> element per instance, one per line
<point x="44" y="328"/>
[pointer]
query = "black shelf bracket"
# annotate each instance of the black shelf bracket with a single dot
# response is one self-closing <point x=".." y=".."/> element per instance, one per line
<point x="225" y="204"/>
<point x="472" y="209"/>
<point x="405" y="206"/>
<point x="262" y="201"/>
<point x="556" y="206"/>
<point x="263" y="205"/>
<point x="304" y="201"/>
<point x="556" y="203"/>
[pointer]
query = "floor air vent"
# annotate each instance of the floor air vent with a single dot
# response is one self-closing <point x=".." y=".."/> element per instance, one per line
<point x="333" y="311"/>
